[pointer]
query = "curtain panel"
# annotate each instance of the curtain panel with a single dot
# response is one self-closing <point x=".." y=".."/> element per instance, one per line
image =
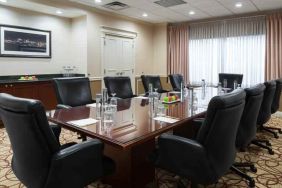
<point x="229" y="46"/>
<point x="273" y="66"/>
<point x="177" y="50"/>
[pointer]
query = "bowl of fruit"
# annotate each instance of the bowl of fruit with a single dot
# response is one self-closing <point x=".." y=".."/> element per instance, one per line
<point x="171" y="99"/>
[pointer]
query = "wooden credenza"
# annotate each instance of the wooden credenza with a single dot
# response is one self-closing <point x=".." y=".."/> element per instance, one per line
<point x="40" y="90"/>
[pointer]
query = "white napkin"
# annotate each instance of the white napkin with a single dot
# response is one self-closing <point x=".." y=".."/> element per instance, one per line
<point x="166" y="119"/>
<point x="83" y="122"/>
<point x="141" y="97"/>
<point x="92" y="105"/>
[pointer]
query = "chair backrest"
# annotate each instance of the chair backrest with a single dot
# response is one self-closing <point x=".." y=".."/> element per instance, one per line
<point x="73" y="91"/>
<point x="230" y="79"/>
<point x="218" y="132"/>
<point x="154" y="80"/>
<point x="265" y="109"/>
<point x="175" y="80"/>
<point x="32" y="141"/>
<point x="119" y="85"/>
<point x="277" y="96"/>
<point x="248" y="124"/>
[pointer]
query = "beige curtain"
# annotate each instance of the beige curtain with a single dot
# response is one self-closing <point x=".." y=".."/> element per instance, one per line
<point x="273" y="68"/>
<point x="177" y="60"/>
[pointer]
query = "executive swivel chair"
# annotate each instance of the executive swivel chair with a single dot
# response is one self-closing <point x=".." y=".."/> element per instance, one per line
<point x="276" y="102"/>
<point x="230" y="79"/>
<point x="154" y="80"/>
<point x="265" y="109"/>
<point x="38" y="159"/>
<point x="208" y="157"/>
<point x="121" y="86"/>
<point x="248" y="128"/>
<point x="72" y="92"/>
<point x="176" y="80"/>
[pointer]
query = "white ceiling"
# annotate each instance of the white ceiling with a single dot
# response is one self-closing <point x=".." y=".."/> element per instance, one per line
<point x="202" y="8"/>
<point x="39" y="7"/>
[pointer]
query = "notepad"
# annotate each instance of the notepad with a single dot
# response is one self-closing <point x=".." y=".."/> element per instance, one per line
<point x="166" y="119"/>
<point x="141" y="97"/>
<point x="83" y="122"/>
<point x="92" y="105"/>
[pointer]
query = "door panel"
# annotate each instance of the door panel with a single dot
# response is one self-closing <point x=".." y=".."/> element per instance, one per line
<point x="118" y="57"/>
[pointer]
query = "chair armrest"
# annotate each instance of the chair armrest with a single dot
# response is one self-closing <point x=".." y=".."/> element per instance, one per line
<point x="83" y="161"/>
<point x="198" y="121"/>
<point x="62" y="106"/>
<point x="179" y="153"/>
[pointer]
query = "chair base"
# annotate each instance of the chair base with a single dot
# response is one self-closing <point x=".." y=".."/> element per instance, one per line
<point x="246" y="165"/>
<point x="258" y="143"/>
<point x="250" y="180"/>
<point x="275" y="128"/>
<point x="267" y="129"/>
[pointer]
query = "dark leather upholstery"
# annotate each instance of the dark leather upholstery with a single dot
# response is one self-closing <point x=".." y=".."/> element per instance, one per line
<point x="119" y="85"/>
<point x="210" y="156"/>
<point x="230" y="79"/>
<point x="175" y="80"/>
<point x="38" y="160"/>
<point x="248" y="124"/>
<point x="154" y="80"/>
<point x="73" y="91"/>
<point x="277" y="95"/>
<point x="265" y="109"/>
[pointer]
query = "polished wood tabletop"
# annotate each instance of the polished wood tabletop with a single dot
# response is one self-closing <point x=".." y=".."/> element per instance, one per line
<point x="134" y="121"/>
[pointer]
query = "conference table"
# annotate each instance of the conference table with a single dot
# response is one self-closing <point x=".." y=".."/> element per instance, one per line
<point x="132" y="138"/>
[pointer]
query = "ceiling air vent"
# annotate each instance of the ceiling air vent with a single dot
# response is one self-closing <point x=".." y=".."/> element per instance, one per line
<point x="169" y="3"/>
<point x="116" y="5"/>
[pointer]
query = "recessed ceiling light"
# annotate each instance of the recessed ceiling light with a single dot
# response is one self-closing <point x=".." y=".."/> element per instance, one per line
<point x="59" y="12"/>
<point x="3" y="1"/>
<point x="191" y="12"/>
<point x="98" y="1"/>
<point x="238" y="5"/>
<point x="145" y="15"/>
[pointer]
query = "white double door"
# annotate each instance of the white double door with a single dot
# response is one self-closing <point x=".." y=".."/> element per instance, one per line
<point x="119" y="57"/>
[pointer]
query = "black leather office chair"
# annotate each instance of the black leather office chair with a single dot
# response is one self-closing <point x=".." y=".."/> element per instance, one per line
<point x="208" y="157"/>
<point x="38" y="159"/>
<point x="230" y="79"/>
<point x="276" y="102"/>
<point x="72" y="92"/>
<point x="265" y="109"/>
<point x="248" y="127"/>
<point x="154" y="80"/>
<point x="176" y="80"/>
<point x="119" y="85"/>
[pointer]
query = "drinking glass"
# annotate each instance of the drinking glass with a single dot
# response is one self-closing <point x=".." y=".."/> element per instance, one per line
<point x="235" y="83"/>
<point x="160" y="109"/>
<point x="108" y="118"/>
<point x="113" y="102"/>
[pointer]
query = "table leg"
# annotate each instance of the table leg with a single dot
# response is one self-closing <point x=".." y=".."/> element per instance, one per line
<point x="133" y="169"/>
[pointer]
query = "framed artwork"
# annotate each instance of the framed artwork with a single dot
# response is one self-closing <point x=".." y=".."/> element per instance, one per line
<point x="24" y="42"/>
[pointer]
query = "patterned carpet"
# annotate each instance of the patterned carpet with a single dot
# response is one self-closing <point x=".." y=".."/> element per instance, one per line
<point x="269" y="167"/>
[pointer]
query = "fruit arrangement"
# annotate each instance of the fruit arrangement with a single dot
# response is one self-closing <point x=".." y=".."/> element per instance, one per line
<point x="28" y="78"/>
<point x="171" y="99"/>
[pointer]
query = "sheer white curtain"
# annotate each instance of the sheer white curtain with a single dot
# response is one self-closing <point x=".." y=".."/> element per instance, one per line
<point x="233" y="46"/>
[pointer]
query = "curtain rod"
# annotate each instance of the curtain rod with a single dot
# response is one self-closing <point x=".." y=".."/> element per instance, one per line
<point x="226" y="19"/>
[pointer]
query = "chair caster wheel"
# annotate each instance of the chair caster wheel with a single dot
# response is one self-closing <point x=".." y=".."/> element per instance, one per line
<point x="268" y="143"/>
<point x="252" y="183"/>
<point x="280" y="131"/>
<point x="276" y="136"/>
<point x="271" y="152"/>
<point x="254" y="169"/>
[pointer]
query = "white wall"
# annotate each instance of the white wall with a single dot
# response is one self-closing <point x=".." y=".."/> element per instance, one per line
<point x="61" y="43"/>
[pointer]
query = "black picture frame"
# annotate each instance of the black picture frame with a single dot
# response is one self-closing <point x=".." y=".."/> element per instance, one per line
<point x="24" y="42"/>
